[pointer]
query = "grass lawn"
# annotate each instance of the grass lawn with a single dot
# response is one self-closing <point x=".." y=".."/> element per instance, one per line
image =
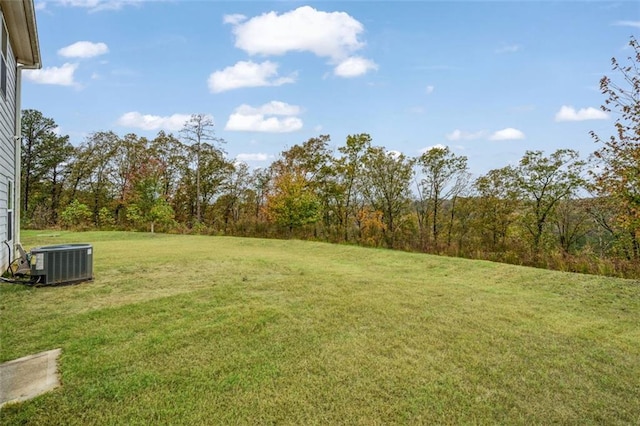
<point x="216" y="330"/>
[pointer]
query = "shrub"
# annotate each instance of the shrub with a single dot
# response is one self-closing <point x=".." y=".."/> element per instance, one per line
<point x="76" y="215"/>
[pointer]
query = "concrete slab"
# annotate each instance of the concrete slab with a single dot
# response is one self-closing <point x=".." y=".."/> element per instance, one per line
<point x="29" y="376"/>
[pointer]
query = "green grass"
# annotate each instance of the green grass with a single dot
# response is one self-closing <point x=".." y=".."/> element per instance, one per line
<point x="216" y="330"/>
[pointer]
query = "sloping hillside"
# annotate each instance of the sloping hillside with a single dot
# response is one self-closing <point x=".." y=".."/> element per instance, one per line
<point x="216" y="330"/>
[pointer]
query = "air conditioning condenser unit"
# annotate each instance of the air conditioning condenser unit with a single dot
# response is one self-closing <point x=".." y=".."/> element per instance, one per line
<point x="62" y="264"/>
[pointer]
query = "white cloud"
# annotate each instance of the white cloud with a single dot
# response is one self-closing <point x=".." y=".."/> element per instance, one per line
<point x="509" y="48"/>
<point x="62" y="76"/>
<point x="461" y="135"/>
<point x="83" y="49"/>
<point x="252" y="157"/>
<point x="273" y="117"/>
<point x="247" y="74"/>
<point x="80" y="3"/>
<point x="271" y="108"/>
<point x="507" y="134"/>
<point x="569" y="113"/>
<point x="429" y="148"/>
<point x="234" y="19"/>
<point x="258" y="123"/>
<point x="635" y="24"/>
<point x="332" y="35"/>
<point x="430" y="89"/>
<point x="99" y="5"/>
<point x="354" y="67"/>
<point x="153" y="122"/>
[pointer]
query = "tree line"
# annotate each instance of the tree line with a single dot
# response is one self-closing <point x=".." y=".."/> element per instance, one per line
<point x="549" y="210"/>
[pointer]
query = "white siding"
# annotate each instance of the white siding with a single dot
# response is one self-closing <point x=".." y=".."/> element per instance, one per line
<point x="3" y="226"/>
<point x="7" y="151"/>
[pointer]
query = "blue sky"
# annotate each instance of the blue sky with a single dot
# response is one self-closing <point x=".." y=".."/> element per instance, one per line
<point x="488" y="79"/>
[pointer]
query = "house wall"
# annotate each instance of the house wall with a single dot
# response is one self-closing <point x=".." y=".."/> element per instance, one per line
<point x="7" y="154"/>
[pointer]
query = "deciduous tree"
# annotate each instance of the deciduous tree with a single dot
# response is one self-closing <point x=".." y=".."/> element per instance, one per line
<point x="53" y="170"/>
<point x="619" y="176"/>
<point x="385" y="185"/>
<point x="496" y="204"/>
<point x="349" y="176"/>
<point x="94" y="171"/>
<point x="543" y="182"/>
<point x="292" y="203"/>
<point x="36" y="129"/>
<point x="199" y="129"/>
<point x="444" y="177"/>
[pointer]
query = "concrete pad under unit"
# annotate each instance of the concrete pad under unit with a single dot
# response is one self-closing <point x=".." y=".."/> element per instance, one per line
<point x="27" y="377"/>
